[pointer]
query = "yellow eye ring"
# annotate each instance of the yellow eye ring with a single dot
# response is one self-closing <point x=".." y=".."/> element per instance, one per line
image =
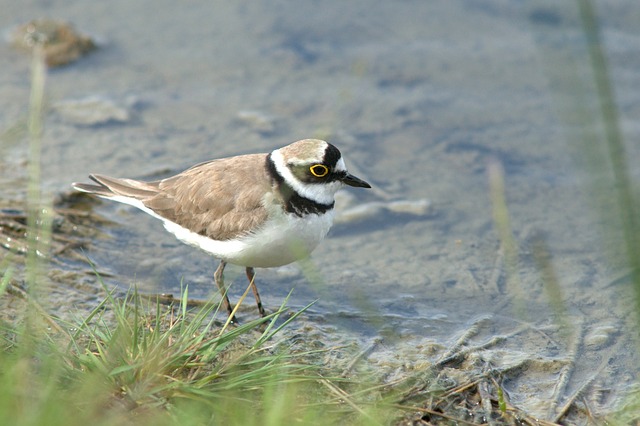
<point x="319" y="170"/>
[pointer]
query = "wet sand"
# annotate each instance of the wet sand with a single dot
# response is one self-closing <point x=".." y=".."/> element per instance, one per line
<point x="420" y="97"/>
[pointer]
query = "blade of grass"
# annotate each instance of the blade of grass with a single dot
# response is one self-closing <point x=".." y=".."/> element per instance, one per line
<point x="627" y="205"/>
<point x="502" y="223"/>
<point x="35" y="130"/>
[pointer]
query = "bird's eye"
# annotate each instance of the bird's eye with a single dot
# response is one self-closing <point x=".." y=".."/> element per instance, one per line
<point x="319" y="170"/>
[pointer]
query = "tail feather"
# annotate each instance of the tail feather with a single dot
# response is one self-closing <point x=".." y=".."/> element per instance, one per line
<point x="101" y="191"/>
<point x="110" y="187"/>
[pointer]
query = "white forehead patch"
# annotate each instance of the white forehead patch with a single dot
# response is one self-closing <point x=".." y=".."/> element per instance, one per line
<point x="340" y="166"/>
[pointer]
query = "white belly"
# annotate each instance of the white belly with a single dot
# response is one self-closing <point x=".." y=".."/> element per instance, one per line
<point x="282" y="240"/>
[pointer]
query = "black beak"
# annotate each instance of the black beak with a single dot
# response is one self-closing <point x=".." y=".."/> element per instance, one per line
<point x="351" y="180"/>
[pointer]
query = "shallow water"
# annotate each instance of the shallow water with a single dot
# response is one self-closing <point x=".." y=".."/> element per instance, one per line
<point x="420" y="97"/>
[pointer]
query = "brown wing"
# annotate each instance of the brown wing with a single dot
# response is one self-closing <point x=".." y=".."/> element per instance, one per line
<point x="220" y="199"/>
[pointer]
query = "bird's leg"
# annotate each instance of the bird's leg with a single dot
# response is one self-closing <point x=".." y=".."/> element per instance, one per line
<point x="251" y="277"/>
<point x="218" y="276"/>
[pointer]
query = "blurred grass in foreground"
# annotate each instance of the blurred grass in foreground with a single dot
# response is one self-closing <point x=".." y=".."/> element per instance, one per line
<point x="627" y="204"/>
<point x="581" y="86"/>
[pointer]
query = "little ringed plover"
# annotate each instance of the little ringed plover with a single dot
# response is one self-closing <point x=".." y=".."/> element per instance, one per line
<point x="255" y="210"/>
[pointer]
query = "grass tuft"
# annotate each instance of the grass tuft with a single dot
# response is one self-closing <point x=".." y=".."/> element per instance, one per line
<point x="135" y="360"/>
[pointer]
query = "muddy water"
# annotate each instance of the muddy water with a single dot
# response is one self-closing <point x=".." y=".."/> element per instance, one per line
<point x="420" y="97"/>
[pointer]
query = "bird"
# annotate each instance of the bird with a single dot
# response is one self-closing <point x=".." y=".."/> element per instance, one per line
<point x="254" y="210"/>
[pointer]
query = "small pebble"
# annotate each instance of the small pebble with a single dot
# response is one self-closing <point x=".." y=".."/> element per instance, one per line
<point x="600" y="336"/>
<point x="93" y="110"/>
<point x="61" y="43"/>
<point x="420" y="207"/>
<point x="258" y="121"/>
